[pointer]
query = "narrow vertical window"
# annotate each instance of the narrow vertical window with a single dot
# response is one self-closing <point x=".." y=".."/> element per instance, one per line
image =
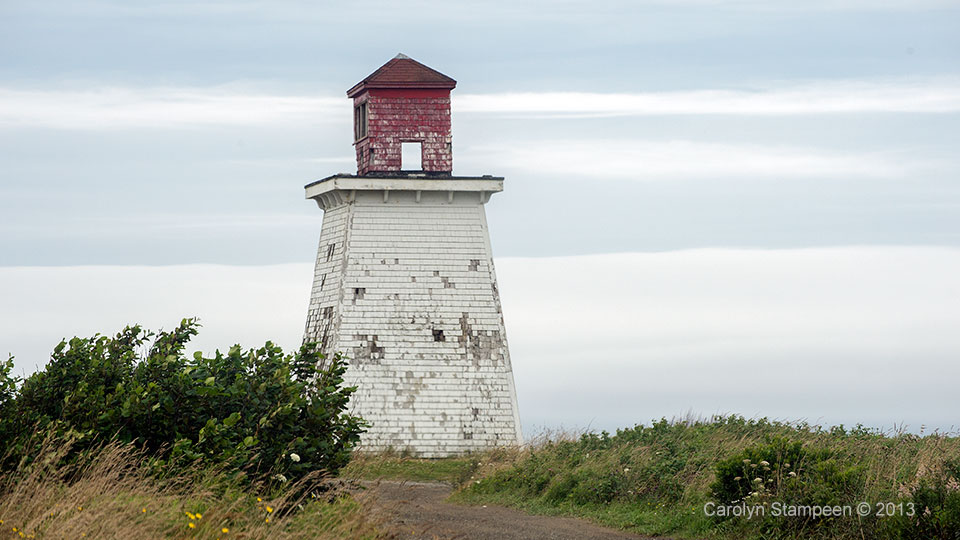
<point x="360" y="120"/>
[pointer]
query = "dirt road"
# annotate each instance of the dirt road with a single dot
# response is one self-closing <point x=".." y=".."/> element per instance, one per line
<point x="417" y="510"/>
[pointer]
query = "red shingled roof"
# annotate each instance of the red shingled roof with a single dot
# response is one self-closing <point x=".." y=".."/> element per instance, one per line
<point x="403" y="72"/>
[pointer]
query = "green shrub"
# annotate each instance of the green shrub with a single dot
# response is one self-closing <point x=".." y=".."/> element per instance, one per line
<point x="272" y="415"/>
<point x="8" y="394"/>
<point x="770" y="471"/>
<point x="786" y="472"/>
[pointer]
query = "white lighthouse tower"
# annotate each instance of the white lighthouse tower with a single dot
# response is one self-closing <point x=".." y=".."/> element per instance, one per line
<point x="404" y="284"/>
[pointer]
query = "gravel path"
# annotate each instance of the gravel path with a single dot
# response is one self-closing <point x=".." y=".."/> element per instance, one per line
<point x="417" y="510"/>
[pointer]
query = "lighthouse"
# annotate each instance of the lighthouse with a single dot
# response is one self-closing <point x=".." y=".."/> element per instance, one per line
<point x="404" y="283"/>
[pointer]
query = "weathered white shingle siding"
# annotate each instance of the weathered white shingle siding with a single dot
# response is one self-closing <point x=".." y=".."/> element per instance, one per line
<point x="400" y="273"/>
<point x="327" y="279"/>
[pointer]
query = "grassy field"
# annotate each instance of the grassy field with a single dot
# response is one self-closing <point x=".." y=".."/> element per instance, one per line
<point x="115" y="496"/>
<point x="654" y="479"/>
<point x="657" y="479"/>
<point x="454" y="471"/>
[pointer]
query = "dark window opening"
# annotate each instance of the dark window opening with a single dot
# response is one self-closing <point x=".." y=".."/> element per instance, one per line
<point x="438" y="335"/>
<point x="358" y="293"/>
<point x="360" y="121"/>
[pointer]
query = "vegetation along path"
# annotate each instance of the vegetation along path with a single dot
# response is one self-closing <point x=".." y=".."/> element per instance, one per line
<point x="418" y="510"/>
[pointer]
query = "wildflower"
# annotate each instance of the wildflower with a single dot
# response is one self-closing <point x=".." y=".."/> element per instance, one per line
<point x="143" y="510"/>
<point x="280" y="477"/>
<point x="295" y="458"/>
<point x="269" y="509"/>
<point x="267" y="520"/>
<point x="626" y="469"/>
<point x="224" y="530"/>
<point x="746" y="461"/>
<point x="191" y="516"/>
<point x="80" y="508"/>
<point x="765" y="463"/>
<point x="758" y="479"/>
<point x="199" y="515"/>
<point x="737" y="478"/>
<point x="792" y="474"/>
<point x="192" y="526"/>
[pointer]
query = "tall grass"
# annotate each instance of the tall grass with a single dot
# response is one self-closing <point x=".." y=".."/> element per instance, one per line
<point x="656" y="479"/>
<point x="113" y="493"/>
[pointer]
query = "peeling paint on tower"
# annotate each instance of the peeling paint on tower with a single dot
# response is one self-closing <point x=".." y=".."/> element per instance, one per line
<point x="404" y="283"/>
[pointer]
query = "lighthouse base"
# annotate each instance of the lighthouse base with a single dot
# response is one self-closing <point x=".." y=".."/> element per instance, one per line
<point x="405" y="288"/>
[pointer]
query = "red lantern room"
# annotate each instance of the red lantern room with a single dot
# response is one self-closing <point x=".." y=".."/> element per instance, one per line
<point x="401" y="119"/>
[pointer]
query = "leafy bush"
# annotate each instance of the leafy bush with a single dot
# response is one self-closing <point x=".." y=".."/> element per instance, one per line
<point x="785" y="470"/>
<point x="8" y="394"/>
<point x="789" y="473"/>
<point x="271" y="415"/>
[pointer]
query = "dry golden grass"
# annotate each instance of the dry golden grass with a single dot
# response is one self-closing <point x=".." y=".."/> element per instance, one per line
<point x="115" y="496"/>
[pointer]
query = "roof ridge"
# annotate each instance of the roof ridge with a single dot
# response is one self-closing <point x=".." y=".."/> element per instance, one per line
<point x="402" y="71"/>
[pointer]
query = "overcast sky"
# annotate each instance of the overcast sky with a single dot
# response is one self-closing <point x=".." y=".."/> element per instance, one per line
<point x="789" y="167"/>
